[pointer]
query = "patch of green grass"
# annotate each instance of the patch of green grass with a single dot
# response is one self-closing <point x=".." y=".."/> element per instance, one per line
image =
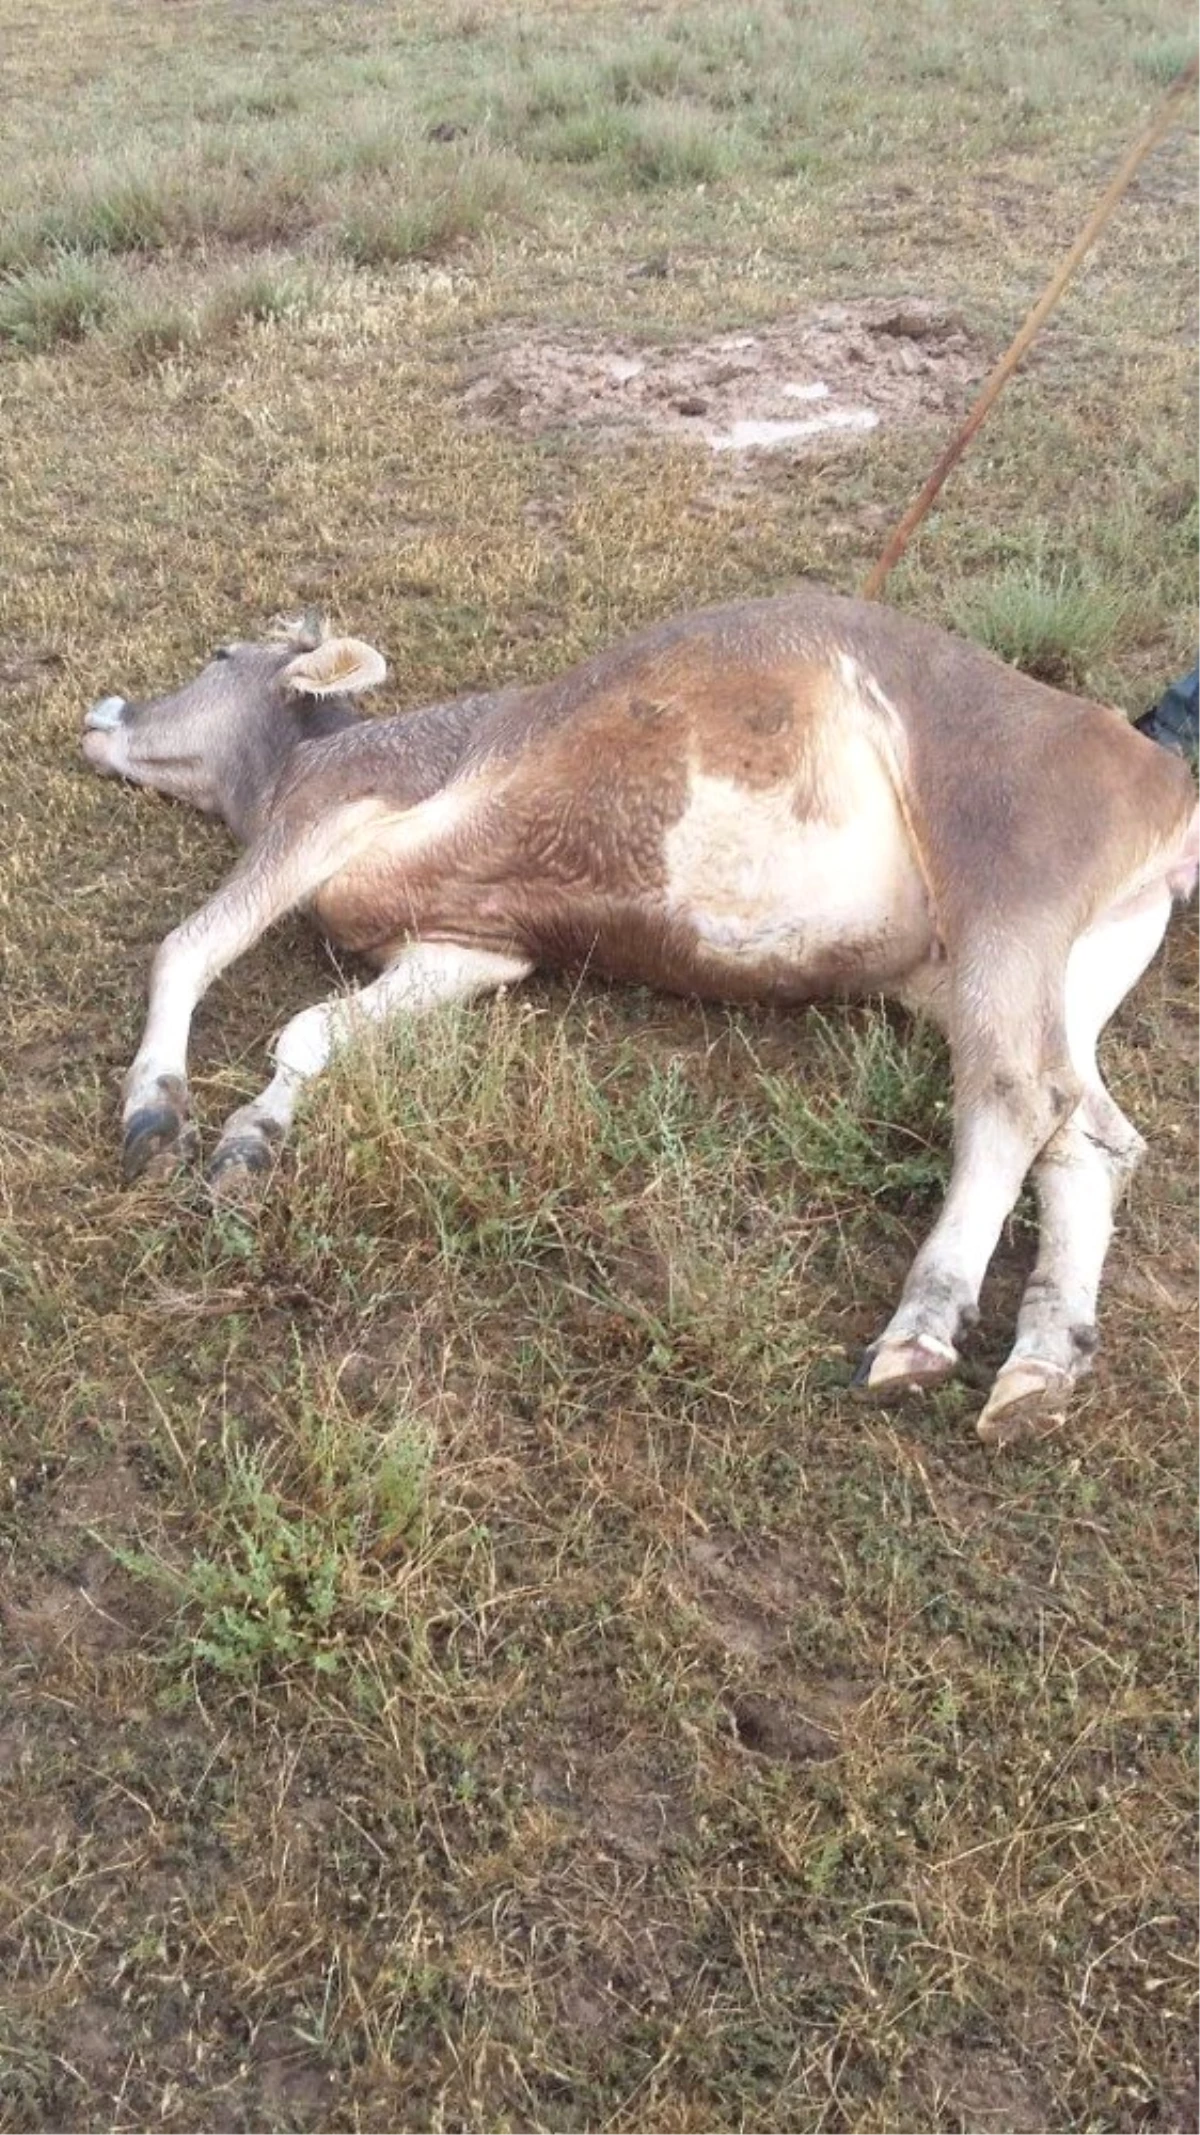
<point x="309" y="1543"/>
<point x="258" y="293"/>
<point x="647" y="71"/>
<point x="118" y="210"/>
<point x="553" y="86"/>
<point x="670" y="145"/>
<point x="1054" y="622"/>
<point x="642" y="1199"/>
<point x="258" y="97"/>
<point x="599" y="132"/>
<point x="451" y="1118"/>
<point x="435" y="209"/>
<point x="376" y="143"/>
<point x="1164" y="58"/>
<point x="152" y="331"/>
<point x="63" y="301"/>
<point x="872" y="1115"/>
<point x="176" y="204"/>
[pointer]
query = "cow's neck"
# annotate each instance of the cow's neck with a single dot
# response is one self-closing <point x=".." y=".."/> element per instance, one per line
<point x="248" y="783"/>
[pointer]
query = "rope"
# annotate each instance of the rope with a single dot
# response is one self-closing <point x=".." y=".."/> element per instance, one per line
<point x="1164" y="118"/>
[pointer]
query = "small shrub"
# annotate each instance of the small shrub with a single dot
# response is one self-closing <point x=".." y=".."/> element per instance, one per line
<point x="551" y="88"/>
<point x="673" y="146"/>
<point x="468" y="22"/>
<point x="1052" y="624"/>
<point x="273" y="200"/>
<point x="60" y="302"/>
<point x="373" y="148"/>
<point x="22" y="244"/>
<point x="309" y="1547"/>
<point x="1166" y="57"/>
<point x="439" y="209"/>
<point x="652" y="69"/>
<point x="260" y="293"/>
<point x="122" y="211"/>
<point x="151" y="332"/>
<point x="587" y="136"/>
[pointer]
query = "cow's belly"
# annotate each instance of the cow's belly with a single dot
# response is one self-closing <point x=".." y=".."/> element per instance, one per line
<point x="779" y="903"/>
<point x="747" y="899"/>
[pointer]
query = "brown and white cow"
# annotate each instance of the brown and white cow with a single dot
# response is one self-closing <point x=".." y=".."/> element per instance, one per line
<point x="771" y="801"/>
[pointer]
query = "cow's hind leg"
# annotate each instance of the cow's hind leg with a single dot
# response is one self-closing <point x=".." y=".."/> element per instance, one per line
<point x="425" y="975"/>
<point x="1014" y="1088"/>
<point x="1079" y="1178"/>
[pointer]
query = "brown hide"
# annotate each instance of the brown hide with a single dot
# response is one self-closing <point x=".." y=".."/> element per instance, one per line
<point x="1019" y="804"/>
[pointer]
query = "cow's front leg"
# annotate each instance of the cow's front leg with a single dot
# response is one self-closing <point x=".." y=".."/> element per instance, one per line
<point x="156" y="1124"/>
<point x="275" y="874"/>
<point x="425" y="975"/>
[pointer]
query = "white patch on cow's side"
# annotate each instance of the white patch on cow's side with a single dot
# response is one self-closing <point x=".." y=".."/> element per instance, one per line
<point x="745" y="436"/>
<point x="767" y="890"/>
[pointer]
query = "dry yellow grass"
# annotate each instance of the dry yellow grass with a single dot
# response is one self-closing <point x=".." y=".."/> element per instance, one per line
<point x="582" y="1714"/>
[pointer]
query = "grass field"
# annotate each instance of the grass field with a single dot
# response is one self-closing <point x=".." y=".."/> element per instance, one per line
<point x="468" y="1661"/>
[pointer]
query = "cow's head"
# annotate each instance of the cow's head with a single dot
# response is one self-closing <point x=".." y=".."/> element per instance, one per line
<point x="215" y="741"/>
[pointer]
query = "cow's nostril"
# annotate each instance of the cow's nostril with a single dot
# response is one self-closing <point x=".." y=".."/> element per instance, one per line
<point x="106" y="715"/>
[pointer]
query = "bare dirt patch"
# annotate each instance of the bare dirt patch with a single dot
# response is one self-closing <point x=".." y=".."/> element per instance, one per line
<point x="297" y="2087"/>
<point x="985" y="2088"/>
<point x="748" y="1591"/>
<point x="823" y="380"/>
<point x="78" y="1602"/>
<point x="49" y="1613"/>
<point x="635" y="1810"/>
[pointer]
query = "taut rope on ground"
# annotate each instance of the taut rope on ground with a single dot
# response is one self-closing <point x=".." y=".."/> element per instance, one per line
<point x="1161" y="123"/>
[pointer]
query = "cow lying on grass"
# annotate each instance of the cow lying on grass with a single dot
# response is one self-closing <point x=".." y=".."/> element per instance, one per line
<point x="771" y="801"/>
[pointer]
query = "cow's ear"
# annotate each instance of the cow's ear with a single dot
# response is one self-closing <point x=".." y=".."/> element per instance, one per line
<point x="337" y="666"/>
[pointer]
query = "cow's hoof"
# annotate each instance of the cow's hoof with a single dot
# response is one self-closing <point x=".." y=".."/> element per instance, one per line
<point x="1028" y="1400"/>
<point x="157" y="1141"/>
<point x="238" y="1171"/>
<point x="912" y="1364"/>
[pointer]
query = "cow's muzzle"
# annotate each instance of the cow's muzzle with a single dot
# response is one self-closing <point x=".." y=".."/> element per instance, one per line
<point x="106" y="715"/>
<point x="103" y="743"/>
